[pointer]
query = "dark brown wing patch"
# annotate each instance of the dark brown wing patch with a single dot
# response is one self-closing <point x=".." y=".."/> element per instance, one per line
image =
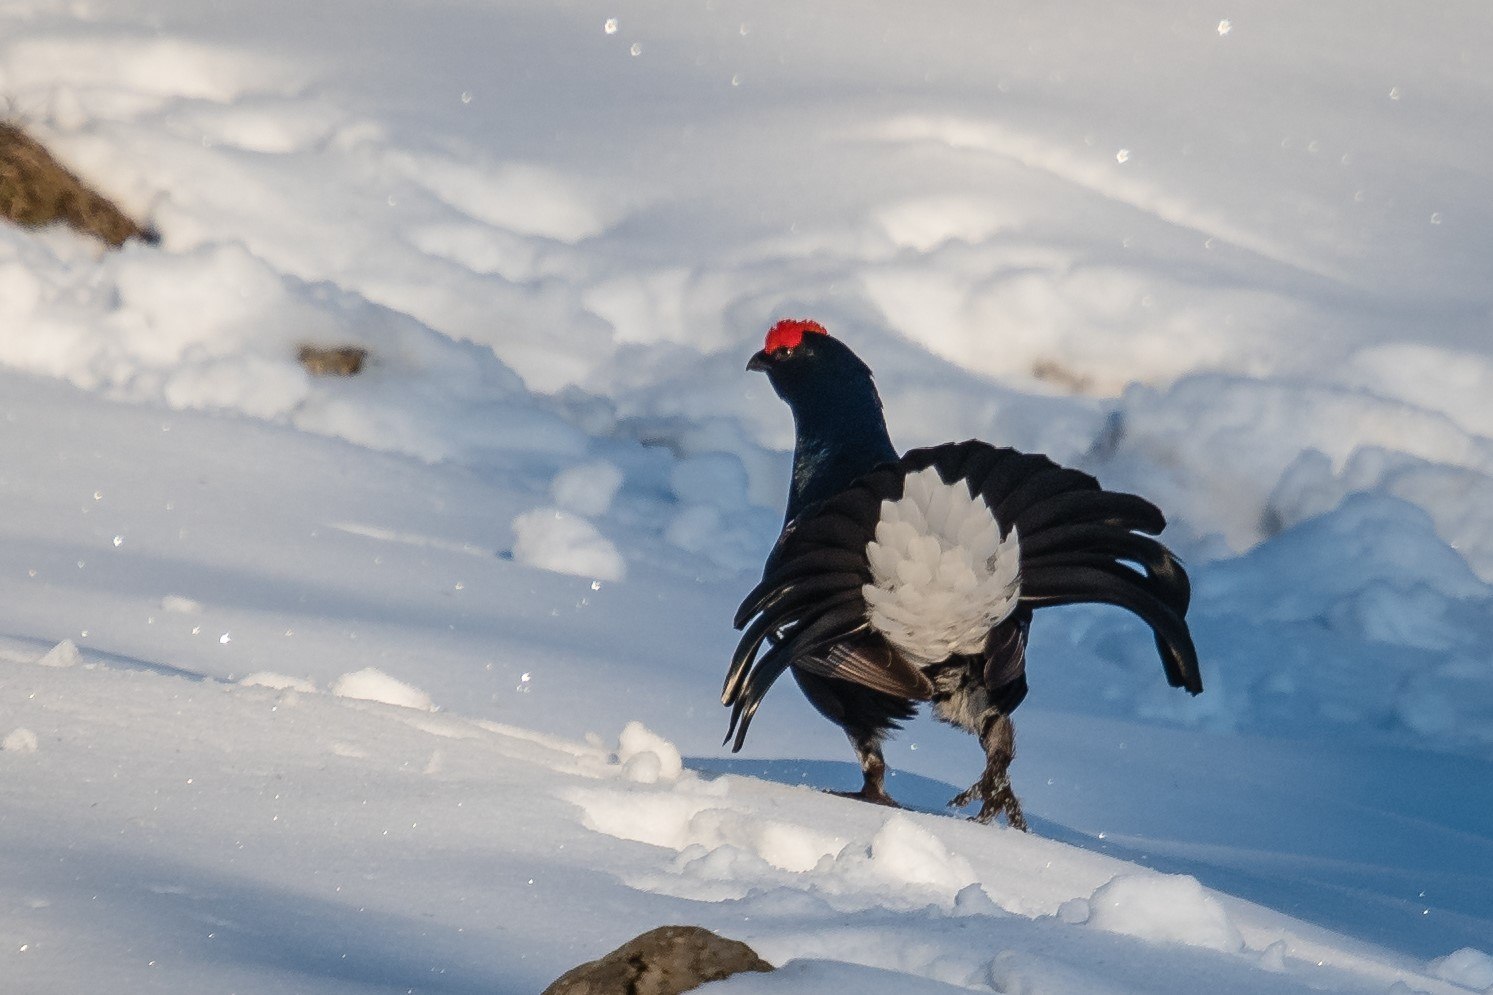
<point x="871" y="663"/>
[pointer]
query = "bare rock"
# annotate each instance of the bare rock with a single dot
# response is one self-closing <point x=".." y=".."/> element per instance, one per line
<point x="663" y="961"/>
<point x="344" y="361"/>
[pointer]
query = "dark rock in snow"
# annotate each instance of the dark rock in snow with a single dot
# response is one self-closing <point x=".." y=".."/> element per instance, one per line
<point x="346" y="361"/>
<point x="663" y="961"/>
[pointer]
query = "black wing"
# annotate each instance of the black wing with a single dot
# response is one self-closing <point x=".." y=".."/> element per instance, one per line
<point x="809" y="611"/>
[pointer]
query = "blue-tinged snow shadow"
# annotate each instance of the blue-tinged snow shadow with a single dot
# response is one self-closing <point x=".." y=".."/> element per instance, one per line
<point x="1420" y="913"/>
<point x="286" y="936"/>
<point x="89" y="654"/>
<point x="912" y="791"/>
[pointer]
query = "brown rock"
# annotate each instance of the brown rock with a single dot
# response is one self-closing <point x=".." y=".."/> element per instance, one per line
<point x="345" y="361"/>
<point x="663" y="961"/>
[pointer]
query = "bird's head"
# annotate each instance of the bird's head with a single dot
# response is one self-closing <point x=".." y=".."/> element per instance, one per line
<point x="805" y="363"/>
<point x="838" y="423"/>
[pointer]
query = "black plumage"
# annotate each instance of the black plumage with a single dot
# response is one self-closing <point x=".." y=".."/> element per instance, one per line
<point x="866" y="670"/>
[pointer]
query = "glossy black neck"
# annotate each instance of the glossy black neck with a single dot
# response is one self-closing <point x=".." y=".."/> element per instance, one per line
<point x="841" y="434"/>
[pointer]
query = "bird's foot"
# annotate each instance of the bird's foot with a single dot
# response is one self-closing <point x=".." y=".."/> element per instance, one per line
<point x="875" y="796"/>
<point x="995" y="797"/>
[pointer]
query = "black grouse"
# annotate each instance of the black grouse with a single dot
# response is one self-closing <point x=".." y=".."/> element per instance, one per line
<point x="904" y="579"/>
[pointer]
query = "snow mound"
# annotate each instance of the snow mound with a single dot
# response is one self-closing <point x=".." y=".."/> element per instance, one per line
<point x="370" y="684"/>
<point x="905" y="853"/>
<point x="19" y="741"/>
<point x="217" y="327"/>
<point x="1013" y="972"/>
<point x="1170" y="908"/>
<point x="728" y="850"/>
<point x="1355" y="441"/>
<point x="586" y="488"/>
<point x="180" y="605"/>
<point x="1387" y="597"/>
<point x="1468" y="967"/>
<point x="64" y="654"/>
<point x="556" y="540"/>
<point x="647" y="757"/>
<point x="284" y="682"/>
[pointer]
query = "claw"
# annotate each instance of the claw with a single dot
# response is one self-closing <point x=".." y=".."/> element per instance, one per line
<point x="995" y="799"/>
<point x="868" y="795"/>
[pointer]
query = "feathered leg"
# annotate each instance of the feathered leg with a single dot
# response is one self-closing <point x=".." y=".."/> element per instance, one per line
<point x="993" y="789"/>
<point x="962" y="698"/>
<point x="873" y="770"/>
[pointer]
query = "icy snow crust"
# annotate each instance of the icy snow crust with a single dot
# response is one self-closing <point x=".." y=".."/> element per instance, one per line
<point x="296" y="675"/>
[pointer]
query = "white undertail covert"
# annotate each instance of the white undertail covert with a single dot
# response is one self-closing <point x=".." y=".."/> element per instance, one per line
<point x="941" y="574"/>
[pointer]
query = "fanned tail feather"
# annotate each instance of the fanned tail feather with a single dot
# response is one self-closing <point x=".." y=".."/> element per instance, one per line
<point x="816" y="561"/>
<point x="839" y="621"/>
<point x="795" y="630"/>
<point x="1125" y="511"/>
<point x="1071" y="585"/>
<point x="1076" y="542"/>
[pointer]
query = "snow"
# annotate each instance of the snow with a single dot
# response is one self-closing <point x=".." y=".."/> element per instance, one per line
<point x="556" y="540"/>
<point x="1238" y="266"/>
<point x="20" y="740"/>
<point x="284" y="682"/>
<point x="586" y="489"/>
<point x="368" y="684"/>
<point x="64" y="654"/>
<point x="1466" y="967"/>
<point x="646" y="757"/>
<point x="1170" y="908"/>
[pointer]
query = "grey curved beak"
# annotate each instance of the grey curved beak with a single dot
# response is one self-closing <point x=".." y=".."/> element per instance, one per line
<point x="759" y="362"/>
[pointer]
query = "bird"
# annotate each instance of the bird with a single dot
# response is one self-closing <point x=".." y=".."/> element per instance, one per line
<point x="899" y="580"/>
